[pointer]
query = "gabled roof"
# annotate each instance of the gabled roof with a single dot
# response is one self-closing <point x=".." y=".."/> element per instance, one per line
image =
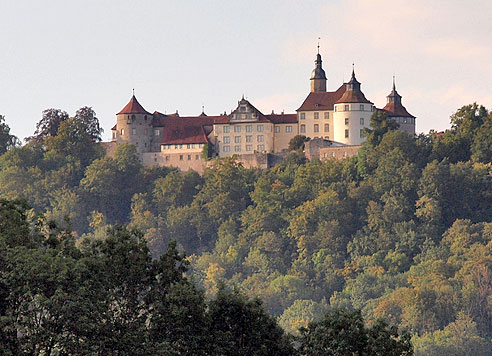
<point x="180" y="130"/>
<point x="396" y="110"/>
<point x="133" y="107"/>
<point x="322" y="100"/>
<point x="282" y="118"/>
<point x="353" y="96"/>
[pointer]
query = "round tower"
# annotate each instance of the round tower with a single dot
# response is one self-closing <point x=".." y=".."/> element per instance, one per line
<point x="134" y="125"/>
<point x="352" y="114"/>
<point x="397" y="112"/>
<point x="318" y="76"/>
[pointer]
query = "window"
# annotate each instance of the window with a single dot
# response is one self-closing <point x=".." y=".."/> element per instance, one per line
<point x="188" y="146"/>
<point x="346" y="121"/>
<point x="180" y="157"/>
<point x="134" y="131"/>
<point x="237" y="128"/>
<point x="361" y="132"/>
<point x="249" y="138"/>
<point x="249" y="128"/>
<point x="226" y="129"/>
<point x="180" y="146"/>
<point x="197" y="157"/>
<point x="316" y="128"/>
<point x="288" y="128"/>
<point x="259" y="128"/>
<point x="361" y="121"/>
<point x="114" y="134"/>
<point x="259" y="138"/>
<point x="227" y="139"/>
<point x="261" y="147"/>
<point x="167" y="158"/>
<point x="361" y="107"/>
<point x="346" y="108"/>
<point x="175" y="147"/>
<point x="346" y="133"/>
<point x="303" y="115"/>
<point x="242" y="108"/>
<point x="327" y="115"/>
<point x="122" y="132"/>
<point x="303" y="128"/>
<point x="133" y="117"/>
<point x="237" y="139"/>
<point x="200" y="145"/>
<point x="316" y="115"/>
<point x="327" y="127"/>
<point x="192" y="145"/>
<point x="227" y="148"/>
<point x="189" y="157"/>
<point x="157" y="132"/>
<point x="237" y="148"/>
<point x="249" y="148"/>
<point x="277" y="129"/>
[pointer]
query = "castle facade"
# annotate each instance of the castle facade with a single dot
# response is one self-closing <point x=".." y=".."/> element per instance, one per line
<point x="338" y="118"/>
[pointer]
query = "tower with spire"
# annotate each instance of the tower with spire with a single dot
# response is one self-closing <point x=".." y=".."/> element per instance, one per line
<point x="134" y="126"/>
<point x="397" y="112"/>
<point x="352" y="114"/>
<point x="318" y="76"/>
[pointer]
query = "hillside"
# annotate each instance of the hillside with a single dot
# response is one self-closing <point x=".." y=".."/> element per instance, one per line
<point x="403" y="231"/>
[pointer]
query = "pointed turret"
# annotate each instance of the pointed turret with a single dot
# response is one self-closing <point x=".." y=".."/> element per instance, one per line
<point x="318" y="76"/>
<point x="353" y="94"/>
<point x="394" y="107"/>
<point x="133" y="107"/>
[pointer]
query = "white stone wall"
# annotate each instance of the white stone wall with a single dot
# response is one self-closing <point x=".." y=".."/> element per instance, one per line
<point x="351" y="122"/>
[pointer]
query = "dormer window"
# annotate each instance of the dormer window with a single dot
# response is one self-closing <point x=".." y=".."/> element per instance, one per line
<point x="242" y="108"/>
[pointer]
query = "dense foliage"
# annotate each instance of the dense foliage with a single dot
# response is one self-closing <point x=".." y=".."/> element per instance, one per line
<point x="402" y="232"/>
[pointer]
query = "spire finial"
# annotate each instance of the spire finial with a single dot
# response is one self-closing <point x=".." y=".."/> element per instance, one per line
<point x="133" y="91"/>
<point x="353" y="70"/>
<point x="394" y="86"/>
<point x="318" y="43"/>
<point x="243" y="97"/>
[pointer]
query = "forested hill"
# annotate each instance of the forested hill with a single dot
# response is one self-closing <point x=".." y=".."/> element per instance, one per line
<point x="402" y="232"/>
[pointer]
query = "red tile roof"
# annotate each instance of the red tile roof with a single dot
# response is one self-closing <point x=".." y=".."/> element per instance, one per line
<point x="133" y="107"/>
<point x="396" y="110"/>
<point x="282" y="118"/>
<point x="322" y="100"/>
<point x="180" y="130"/>
<point x="353" y="96"/>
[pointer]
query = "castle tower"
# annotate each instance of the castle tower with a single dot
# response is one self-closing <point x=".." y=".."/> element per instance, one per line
<point x="397" y="112"/>
<point x="318" y="76"/>
<point x="352" y="114"/>
<point x="134" y="125"/>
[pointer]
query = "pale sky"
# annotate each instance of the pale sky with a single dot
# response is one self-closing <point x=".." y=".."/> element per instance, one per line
<point x="180" y="55"/>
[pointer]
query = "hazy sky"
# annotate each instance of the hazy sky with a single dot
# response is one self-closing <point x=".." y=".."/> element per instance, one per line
<point x="185" y="54"/>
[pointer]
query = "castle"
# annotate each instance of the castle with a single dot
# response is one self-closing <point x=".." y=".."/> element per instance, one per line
<point x="336" y="118"/>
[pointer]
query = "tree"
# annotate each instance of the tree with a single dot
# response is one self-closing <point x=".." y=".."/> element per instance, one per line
<point x="7" y="141"/>
<point x="87" y="116"/>
<point x="296" y="143"/>
<point x="48" y="125"/>
<point x="380" y="125"/>
<point x="342" y="332"/>
<point x="242" y="327"/>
